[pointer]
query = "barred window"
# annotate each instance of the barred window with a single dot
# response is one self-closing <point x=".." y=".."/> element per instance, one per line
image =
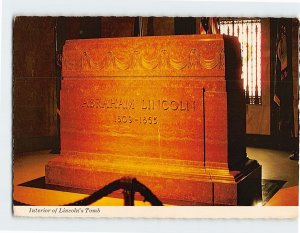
<point x="248" y="32"/>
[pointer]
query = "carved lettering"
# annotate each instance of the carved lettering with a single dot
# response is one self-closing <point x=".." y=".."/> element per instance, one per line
<point x="145" y="104"/>
<point x="128" y="119"/>
<point x="112" y="103"/>
<point x="182" y="108"/>
<point x="165" y="107"/>
<point x="174" y="105"/>
<point x="130" y="104"/>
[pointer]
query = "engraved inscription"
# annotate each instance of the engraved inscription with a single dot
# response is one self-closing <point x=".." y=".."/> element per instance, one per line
<point x="168" y="105"/>
<point x="146" y="120"/>
<point x="105" y="103"/>
<point x="136" y="107"/>
<point x="144" y="104"/>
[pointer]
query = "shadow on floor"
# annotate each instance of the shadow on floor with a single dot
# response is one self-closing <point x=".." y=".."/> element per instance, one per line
<point x="269" y="188"/>
<point x="41" y="184"/>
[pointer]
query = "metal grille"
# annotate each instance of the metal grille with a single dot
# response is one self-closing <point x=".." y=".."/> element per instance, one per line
<point x="248" y="32"/>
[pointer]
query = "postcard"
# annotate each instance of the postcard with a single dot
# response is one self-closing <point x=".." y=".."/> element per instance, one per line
<point x="155" y="117"/>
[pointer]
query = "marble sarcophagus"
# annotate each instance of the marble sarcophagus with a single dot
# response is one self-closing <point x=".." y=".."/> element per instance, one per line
<point x="168" y="110"/>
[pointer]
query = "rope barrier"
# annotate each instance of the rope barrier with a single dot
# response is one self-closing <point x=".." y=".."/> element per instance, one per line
<point x="128" y="184"/>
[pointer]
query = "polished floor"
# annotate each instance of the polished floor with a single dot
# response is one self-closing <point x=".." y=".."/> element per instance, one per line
<point x="30" y="166"/>
<point x="276" y="165"/>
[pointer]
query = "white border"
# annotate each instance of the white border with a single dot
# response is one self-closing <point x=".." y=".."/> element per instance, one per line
<point x="171" y="212"/>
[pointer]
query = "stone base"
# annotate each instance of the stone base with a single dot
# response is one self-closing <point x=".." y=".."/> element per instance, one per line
<point x="176" y="180"/>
